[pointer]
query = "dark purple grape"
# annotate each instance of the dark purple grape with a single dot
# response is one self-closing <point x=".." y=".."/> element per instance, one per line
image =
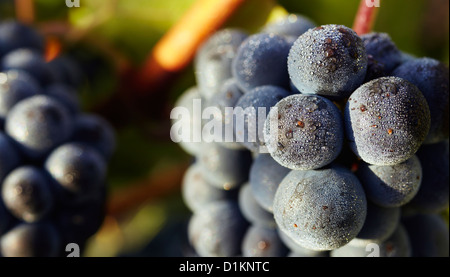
<point x="38" y="124"/>
<point x="262" y="241"/>
<point x="381" y="47"/>
<point x="77" y="168"/>
<point x="262" y="60"/>
<point x="328" y="60"/>
<point x="95" y="131"/>
<point x="432" y="78"/>
<point x="320" y="209"/>
<point x="30" y="61"/>
<point x="386" y="120"/>
<point x="31" y="240"/>
<point x="214" y="59"/>
<point x="15" y="85"/>
<point x="217" y="230"/>
<point x="27" y="193"/>
<point x="15" y="34"/>
<point x="304" y="132"/>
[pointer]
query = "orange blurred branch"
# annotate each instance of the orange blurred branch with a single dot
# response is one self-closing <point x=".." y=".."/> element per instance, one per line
<point x="148" y="84"/>
<point x="365" y="17"/>
<point x="177" y="47"/>
<point x="24" y="11"/>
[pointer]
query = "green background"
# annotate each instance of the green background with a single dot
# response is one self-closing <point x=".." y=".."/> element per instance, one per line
<point x="128" y="29"/>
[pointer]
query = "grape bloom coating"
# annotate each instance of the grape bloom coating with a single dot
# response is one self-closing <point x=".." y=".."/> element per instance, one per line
<point x="328" y="60"/>
<point x="320" y="209"/>
<point x="386" y="120"/>
<point x="304" y="132"/>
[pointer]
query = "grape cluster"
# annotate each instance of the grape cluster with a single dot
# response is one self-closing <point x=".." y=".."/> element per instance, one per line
<point x="53" y="157"/>
<point x="350" y="158"/>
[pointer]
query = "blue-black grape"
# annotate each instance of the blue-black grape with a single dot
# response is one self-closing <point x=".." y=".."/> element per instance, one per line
<point x="375" y="69"/>
<point x="66" y="70"/>
<point x="9" y="156"/>
<point x="381" y="47"/>
<point x="251" y="209"/>
<point x="386" y="120"/>
<point x="379" y="225"/>
<point x="296" y="250"/>
<point x="391" y="185"/>
<point x="223" y="167"/>
<point x="31" y="240"/>
<point x="30" y="61"/>
<point x="320" y="209"/>
<point x="214" y="58"/>
<point x="225" y="101"/>
<point x="251" y="112"/>
<point x="433" y="194"/>
<point x="27" y="193"/>
<point x="265" y="177"/>
<point x="197" y="192"/>
<point x="432" y="78"/>
<point x="217" y="230"/>
<point x="262" y="60"/>
<point x="5" y="218"/>
<point x="15" y="34"/>
<point x="78" y="222"/>
<point x="328" y="60"/>
<point x="428" y="234"/>
<point x="14" y="86"/>
<point x="66" y="95"/>
<point x="78" y="169"/>
<point x="397" y="245"/>
<point x="38" y="124"/>
<point x="263" y="241"/>
<point x="304" y="132"/>
<point x="95" y="131"/>
<point x="190" y="102"/>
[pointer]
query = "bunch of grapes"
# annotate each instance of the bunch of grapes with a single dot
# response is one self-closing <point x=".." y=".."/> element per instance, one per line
<point x="53" y="157"/>
<point x="350" y="157"/>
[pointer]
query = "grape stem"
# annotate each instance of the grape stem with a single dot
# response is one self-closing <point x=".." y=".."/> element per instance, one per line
<point x="365" y="16"/>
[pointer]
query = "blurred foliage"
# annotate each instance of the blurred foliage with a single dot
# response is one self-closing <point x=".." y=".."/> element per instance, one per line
<point x="129" y="29"/>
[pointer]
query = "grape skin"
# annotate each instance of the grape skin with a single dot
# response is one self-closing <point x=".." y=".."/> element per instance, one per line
<point x="197" y="192"/>
<point x="320" y="209"/>
<point x="328" y="60"/>
<point x="304" y="132"/>
<point x="213" y="61"/>
<point x="38" y="124"/>
<point x="251" y="209"/>
<point x="262" y="60"/>
<point x="386" y="120"/>
<point x="262" y="241"/>
<point x="432" y="78"/>
<point x="218" y="230"/>
<point x="27" y="193"/>
<point x="265" y="177"/>
<point x="397" y="245"/>
<point x="391" y="185"/>
<point x="381" y="47"/>
<point x="31" y="240"/>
